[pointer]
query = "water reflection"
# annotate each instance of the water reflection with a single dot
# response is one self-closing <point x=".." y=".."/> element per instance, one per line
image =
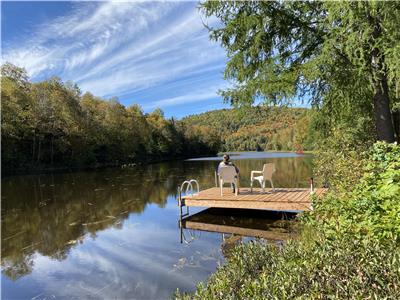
<point x="111" y="233"/>
<point x="236" y="224"/>
<point x="274" y="226"/>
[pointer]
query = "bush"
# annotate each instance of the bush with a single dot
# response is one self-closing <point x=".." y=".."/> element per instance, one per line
<point x="340" y="162"/>
<point x="372" y="208"/>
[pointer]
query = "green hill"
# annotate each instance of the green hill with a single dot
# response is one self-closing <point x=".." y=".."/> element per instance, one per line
<point x="255" y="128"/>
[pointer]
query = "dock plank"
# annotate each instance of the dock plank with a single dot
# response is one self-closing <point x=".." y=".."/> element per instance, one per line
<point x="280" y="199"/>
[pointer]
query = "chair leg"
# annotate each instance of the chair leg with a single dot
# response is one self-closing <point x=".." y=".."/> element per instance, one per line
<point x="272" y="185"/>
<point x="221" y="183"/>
<point x="236" y="188"/>
<point x="251" y="186"/>
<point x="263" y="187"/>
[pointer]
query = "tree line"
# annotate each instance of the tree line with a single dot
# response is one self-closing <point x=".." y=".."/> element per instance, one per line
<point x="52" y="124"/>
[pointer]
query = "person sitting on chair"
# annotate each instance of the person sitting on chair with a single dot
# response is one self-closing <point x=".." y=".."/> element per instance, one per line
<point x="226" y="162"/>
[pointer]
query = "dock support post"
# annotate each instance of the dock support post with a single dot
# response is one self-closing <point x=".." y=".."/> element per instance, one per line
<point x="311" y="185"/>
<point x="181" y="214"/>
<point x="180" y="210"/>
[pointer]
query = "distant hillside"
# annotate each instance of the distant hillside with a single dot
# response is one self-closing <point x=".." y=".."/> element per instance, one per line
<point x="256" y="128"/>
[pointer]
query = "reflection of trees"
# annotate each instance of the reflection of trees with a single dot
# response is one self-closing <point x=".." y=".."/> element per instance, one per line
<point x="49" y="214"/>
<point x="17" y="265"/>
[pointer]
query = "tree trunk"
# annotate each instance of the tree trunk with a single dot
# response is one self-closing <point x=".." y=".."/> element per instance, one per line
<point x="52" y="149"/>
<point x="396" y="124"/>
<point x="39" y="148"/>
<point x="33" y="146"/>
<point x="383" y="115"/>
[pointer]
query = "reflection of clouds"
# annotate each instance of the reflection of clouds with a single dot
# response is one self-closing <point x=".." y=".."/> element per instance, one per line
<point x="143" y="268"/>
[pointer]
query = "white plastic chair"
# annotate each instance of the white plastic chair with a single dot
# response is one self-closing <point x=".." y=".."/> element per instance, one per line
<point x="266" y="174"/>
<point x="228" y="174"/>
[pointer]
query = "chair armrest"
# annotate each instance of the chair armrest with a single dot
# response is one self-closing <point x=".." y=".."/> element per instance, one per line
<point x="255" y="172"/>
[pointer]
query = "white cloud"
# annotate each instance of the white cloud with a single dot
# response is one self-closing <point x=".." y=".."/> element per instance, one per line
<point x="184" y="99"/>
<point x="83" y="36"/>
<point x="192" y="96"/>
<point x="112" y="48"/>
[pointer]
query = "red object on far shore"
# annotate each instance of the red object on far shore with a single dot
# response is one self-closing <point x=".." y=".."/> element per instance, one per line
<point x="299" y="149"/>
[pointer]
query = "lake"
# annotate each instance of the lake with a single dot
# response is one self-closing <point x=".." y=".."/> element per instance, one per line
<point x="114" y="233"/>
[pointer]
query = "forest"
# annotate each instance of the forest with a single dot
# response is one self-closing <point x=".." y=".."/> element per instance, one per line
<point x="52" y="124"/>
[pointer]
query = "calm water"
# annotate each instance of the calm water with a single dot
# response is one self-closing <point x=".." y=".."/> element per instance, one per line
<point x="114" y="233"/>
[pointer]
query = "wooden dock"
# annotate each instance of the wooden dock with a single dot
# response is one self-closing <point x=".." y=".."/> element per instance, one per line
<point x="281" y="199"/>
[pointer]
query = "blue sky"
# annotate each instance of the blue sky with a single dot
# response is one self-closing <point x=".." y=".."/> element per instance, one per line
<point x="156" y="54"/>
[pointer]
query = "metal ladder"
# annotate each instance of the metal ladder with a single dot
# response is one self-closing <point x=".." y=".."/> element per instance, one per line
<point x="187" y="188"/>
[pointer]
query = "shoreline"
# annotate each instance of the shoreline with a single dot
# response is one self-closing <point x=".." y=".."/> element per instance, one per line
<point x="60" y="169"/>
<point x="72" y="169"/>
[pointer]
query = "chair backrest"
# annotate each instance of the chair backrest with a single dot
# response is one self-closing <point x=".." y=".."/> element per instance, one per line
<point x="268" y="170"/>
<point x="227" y="173"/>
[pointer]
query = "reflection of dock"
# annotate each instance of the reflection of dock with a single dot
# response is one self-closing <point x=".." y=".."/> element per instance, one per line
<point x="270" y="226"/>
<point x="281" y="199"/>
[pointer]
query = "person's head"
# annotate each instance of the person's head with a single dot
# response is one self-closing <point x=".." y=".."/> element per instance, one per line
<point x="226" y="158"/>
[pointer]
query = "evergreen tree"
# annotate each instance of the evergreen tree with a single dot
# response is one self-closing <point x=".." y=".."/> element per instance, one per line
<point x="344" y="56"/>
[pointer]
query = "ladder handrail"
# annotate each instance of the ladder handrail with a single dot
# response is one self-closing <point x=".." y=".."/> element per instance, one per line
<point x="189" y="186"/>
<point x="197" y="185"/>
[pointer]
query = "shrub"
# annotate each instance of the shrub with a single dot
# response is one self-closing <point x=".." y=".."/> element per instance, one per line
<point x="339" y="161"/>
<point x="347" y="269"/>
<point x="372" y="208"/>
